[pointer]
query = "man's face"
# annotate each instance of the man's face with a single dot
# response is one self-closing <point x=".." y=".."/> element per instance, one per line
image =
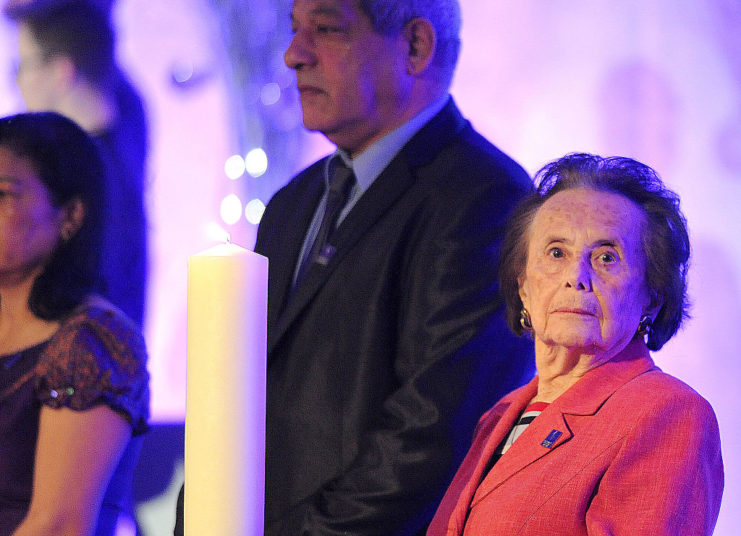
<point x="34" y="76"/>
<point x="353" y="81"/>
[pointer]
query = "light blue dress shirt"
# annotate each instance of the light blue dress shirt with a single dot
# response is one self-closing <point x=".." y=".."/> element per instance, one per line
<point x="367" y="166"/>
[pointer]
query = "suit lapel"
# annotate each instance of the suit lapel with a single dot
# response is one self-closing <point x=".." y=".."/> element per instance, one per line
<point x="284" y="245"/>
<point x="385" y="191"/>
<point x="584" y="398"/>
<point x="374" y="203"/>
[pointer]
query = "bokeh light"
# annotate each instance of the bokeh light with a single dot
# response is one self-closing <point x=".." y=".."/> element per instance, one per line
<point x="254" y="210"/>
<point x="182" y="71"/>
<point x="231" y="209"/>
<point x="256" y="162"/>
<point x="234" y="167"/>
<point x="270" y="93"/>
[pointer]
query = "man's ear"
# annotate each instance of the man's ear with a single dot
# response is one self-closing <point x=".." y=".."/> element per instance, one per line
<point x="422" y="40"/>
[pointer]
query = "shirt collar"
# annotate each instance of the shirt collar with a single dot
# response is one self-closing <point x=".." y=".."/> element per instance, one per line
<point x="369" y="164"/>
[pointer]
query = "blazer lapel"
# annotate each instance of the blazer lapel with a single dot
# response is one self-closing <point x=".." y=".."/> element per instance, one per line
<point x="385" y="191"/>
<point x="494" y="428"/>
<point x="542" y="437"/>
<point x="550" y="430"/>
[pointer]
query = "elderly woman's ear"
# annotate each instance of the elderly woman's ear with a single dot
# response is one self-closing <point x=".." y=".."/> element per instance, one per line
<point x="655" y="304"/>
<point x="522" y="291"/>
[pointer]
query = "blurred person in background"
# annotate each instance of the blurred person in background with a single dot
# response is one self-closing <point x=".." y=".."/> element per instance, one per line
<point x="67" y="64"/>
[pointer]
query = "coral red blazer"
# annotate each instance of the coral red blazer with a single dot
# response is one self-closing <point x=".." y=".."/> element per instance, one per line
<point x="627" y="450"/>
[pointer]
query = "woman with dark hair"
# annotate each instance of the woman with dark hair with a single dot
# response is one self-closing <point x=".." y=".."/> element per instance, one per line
<point x="601" y="441"/>
<point x="67" y="64"/>
<point x="73" y="383"/>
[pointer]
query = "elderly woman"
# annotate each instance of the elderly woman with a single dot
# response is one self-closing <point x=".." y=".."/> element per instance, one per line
<point x="73" y="382"/>
<point x="601" y="442"/>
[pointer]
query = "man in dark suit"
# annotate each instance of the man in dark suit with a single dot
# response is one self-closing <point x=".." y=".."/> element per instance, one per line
<point x="386" y="342"/>
<point x="386" y="332"/>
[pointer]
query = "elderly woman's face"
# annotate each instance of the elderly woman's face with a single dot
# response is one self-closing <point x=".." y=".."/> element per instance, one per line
<point x="584" y="283"/>
<point x="30" y="225"/>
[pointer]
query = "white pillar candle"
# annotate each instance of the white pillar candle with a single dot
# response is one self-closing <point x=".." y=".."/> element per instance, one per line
<point x="225" y="392"/>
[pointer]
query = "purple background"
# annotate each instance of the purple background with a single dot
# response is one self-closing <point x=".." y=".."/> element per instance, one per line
<point x="659" y="81"/>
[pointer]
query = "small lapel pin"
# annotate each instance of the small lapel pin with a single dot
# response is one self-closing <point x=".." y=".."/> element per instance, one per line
<point x="551" y="439"/>
<point x="326" y="254"/>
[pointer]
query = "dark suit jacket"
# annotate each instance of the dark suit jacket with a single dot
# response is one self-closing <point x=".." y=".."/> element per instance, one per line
<point x="639" y="453"/>
<point x="381" y="363"/>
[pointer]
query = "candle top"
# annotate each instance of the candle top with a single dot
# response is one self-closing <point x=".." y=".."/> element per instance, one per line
<point x="225" y="250"/>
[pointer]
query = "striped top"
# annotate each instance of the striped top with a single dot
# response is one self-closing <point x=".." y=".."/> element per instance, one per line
<point x="528" y="416"/>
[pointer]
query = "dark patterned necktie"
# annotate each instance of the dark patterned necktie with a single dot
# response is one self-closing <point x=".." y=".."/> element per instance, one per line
<point x="341" y="181"/>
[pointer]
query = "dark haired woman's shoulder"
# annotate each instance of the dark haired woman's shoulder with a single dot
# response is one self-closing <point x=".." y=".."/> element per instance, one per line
<point x="98" y="309"/>
<point x="98" y="356"/>
<point x="109" y="324"/>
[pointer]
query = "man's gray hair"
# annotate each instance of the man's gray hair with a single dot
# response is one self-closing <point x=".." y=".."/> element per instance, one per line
<point x="390" y="16"/>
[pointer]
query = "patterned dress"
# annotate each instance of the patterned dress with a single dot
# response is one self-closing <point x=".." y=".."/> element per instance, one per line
<point x="97" y="357"/>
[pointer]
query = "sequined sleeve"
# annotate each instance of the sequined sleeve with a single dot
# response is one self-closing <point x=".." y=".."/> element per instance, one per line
<point x="97" y="357"/>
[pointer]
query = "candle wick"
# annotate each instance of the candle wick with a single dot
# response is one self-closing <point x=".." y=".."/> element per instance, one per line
<point x="228" y="238"/>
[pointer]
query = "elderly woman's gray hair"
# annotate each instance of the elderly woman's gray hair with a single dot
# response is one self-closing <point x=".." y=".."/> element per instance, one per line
<point x="665" y="241"/>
